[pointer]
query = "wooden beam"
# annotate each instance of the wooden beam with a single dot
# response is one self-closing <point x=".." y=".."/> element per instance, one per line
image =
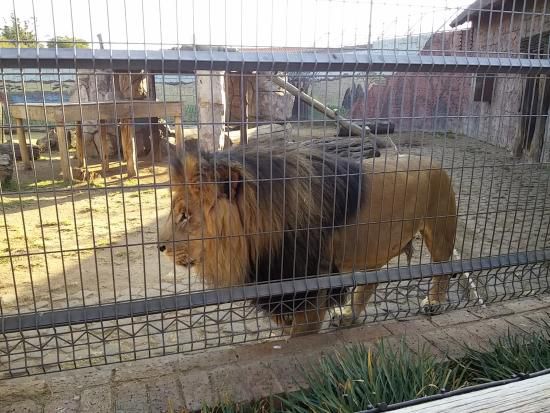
<point x="25" y="156"/>
<point x="129" y="147"/>
<point x="320" y="107"/>
<point x="72" y="112"/>
<point x="524" y="395"/>
<point x="65" y="161"/>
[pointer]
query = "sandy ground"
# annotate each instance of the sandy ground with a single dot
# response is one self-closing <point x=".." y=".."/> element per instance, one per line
<point x="94" y="243"/>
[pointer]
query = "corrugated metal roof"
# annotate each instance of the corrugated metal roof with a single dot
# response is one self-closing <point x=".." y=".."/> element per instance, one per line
<point x="473" y="10"/>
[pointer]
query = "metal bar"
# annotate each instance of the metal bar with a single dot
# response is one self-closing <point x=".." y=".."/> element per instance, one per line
<point x="140" y="307"/>
<point x="178" y="61"/>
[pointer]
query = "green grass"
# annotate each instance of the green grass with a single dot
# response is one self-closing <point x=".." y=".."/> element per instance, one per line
<point x="359" y="377"/>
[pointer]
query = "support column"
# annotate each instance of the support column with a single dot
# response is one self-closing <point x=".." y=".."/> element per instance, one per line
<point x="179" y="135"/>
<point x="129" y="145"/>
<point x="64" y="154"/>
<point x="104" y="148"/>
<point x="23" y="147"/>
<point x="211" y="100"/>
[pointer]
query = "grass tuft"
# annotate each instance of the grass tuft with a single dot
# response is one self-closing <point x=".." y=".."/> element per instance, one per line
<point x="360" y="377"/>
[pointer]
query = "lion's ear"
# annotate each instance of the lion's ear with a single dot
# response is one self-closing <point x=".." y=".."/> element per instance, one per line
<point x="186" y="169"/>
<point x="177" y="173"/>
<point x="230" y="180"/>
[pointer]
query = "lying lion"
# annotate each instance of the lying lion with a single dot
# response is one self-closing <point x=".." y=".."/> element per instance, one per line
<point x="253" y="214"/>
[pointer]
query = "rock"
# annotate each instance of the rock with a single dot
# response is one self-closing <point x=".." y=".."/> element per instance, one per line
<point x="48" y="140"/>
<point x="7" y="148"/>
<point x="6" y="168"/>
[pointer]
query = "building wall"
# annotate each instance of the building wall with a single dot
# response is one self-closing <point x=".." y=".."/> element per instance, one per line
<point x="422" y="101"/>
<point x="499" y="34"/>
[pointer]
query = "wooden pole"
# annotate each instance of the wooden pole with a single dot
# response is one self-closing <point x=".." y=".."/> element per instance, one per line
<point x="155" y="140"/>
<point x="64" y="154"/>
<point x="1" y="122"/>
<point x="211" y="101"/>
<point x="104" y="148"/>
<point x="545" y="155"/>
<point x="129" y="145"/>
<point x="25" y="157"/>
<point x="320" y="107"/>
<point x="244" y="109"/>
<point x="80" y="146"/>
<point x="179" y="135"/>
<point x="535" y="149"/>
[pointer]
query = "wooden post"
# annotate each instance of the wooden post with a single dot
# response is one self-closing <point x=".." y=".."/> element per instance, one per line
<point x="535" y="149"/>
<point x="66" y="169"/>
<point x="155" y="140"/>
<point x="104" y="148"/>
<point x="244" y="109"/>
<point x="179" y="135"/>
<point x="211" y="100"/>
<point x="129" y="146"/>
<point x="545" y="155"/>
<point x="80" y="146"/>
<point x="23" y="147"/>
<point x="320" y="107"/>
<point x="1" y="122"/>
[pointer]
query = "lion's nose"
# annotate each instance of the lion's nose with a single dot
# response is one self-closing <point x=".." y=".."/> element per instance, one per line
<point x="162" y="248"/>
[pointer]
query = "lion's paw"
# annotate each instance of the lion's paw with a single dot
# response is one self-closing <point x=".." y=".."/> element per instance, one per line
<point x="431" y="307"/>
<point x="342" y="317"/>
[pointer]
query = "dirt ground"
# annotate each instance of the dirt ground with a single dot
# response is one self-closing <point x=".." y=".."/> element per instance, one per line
<point x="96" y="242"/>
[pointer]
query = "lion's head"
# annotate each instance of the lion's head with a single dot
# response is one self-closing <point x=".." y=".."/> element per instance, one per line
<point x="204" y="228"/>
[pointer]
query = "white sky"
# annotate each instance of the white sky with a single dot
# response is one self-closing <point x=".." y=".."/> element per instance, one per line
<point x="303" y="23"/>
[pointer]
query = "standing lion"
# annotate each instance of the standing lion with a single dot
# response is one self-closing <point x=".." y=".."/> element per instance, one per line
<point x="255" y="214"/>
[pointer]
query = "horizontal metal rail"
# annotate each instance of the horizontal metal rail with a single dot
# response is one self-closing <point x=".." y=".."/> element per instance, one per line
<point x="383" y="407"/>
<point x="157" y="305"/>
<point x="182" y="61"/>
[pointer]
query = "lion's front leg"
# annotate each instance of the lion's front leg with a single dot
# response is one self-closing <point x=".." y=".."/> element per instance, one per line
<point x="437" y="295"/>
<point x="348" y="314"/>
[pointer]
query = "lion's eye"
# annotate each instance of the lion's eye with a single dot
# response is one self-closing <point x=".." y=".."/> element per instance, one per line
<point x="183" y="217"/>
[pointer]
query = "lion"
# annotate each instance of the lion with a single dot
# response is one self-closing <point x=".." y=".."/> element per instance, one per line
<point x="256" y="214"/>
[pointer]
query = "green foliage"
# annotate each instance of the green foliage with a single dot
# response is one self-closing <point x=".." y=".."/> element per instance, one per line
<point x="509" y="355"/>
<point x="361" y="377"/>
<point x="68" y="42"/>
<point x="262" y="406"/>
<point x="17" y="33"/>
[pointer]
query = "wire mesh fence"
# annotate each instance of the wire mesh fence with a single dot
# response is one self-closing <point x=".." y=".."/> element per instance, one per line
<point x="213" y="173"/>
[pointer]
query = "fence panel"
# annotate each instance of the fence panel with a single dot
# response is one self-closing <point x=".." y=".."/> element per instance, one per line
<point x="303" y="117"/>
